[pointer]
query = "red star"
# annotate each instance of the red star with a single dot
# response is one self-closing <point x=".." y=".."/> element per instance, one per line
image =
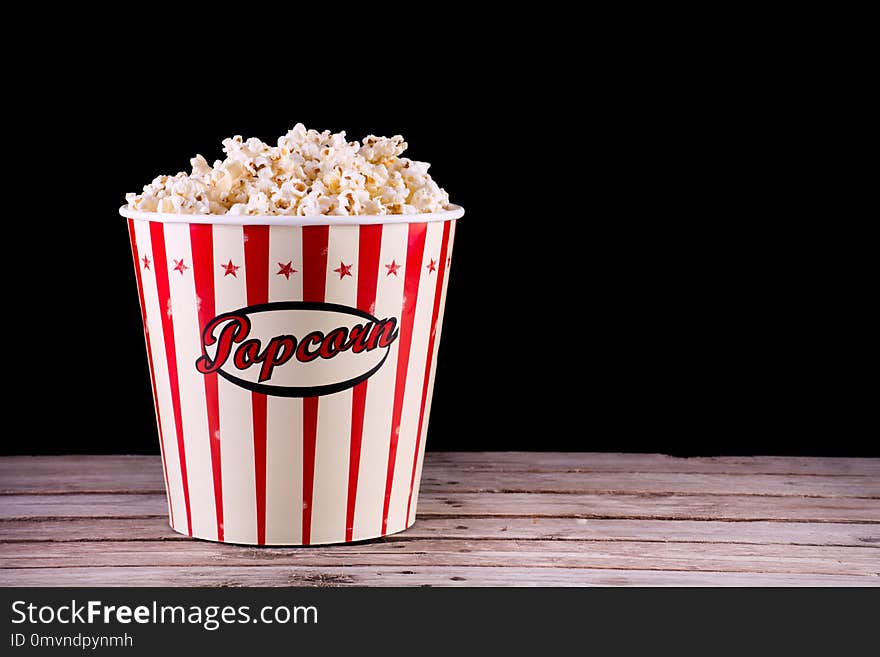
<point x="230" y="269"/>
<point x="392" y="268"/>
<point x="146" y="262"/>
<point x="179" y="266"/>
<point x="431" y="266"/>
<point x="286" y="270"/>
<point x="343" y="270"/>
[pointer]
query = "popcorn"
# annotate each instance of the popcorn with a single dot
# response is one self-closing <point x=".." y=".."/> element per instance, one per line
<point x="308" y="173"/>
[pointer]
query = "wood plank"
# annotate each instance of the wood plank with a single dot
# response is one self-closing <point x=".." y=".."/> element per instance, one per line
<point x="559" y="529"/>
<point x="411" y="576"/>
<point x="82" y="473"/>
<point x="101" y="505"/>
<point x="673" y="507"/>
<point x="144" y="474"/>
<point x="714" y="557"/>
<point x="767" y="533"/>
<point x="449" y="479"/>
<point x="611" y="462"/>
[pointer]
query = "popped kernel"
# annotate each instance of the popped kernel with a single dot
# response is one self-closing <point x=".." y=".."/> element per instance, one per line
<point x="308" y="173"/>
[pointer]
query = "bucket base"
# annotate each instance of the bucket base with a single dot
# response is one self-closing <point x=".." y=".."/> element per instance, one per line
<point x="359" y="539"/>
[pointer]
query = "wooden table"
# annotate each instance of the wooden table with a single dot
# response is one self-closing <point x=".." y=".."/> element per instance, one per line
<point x="500" y="519"/>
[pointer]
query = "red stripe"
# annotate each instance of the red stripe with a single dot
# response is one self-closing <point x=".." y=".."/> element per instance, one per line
<point x="161" y="265"/>
<point x="256" y="263"/>
<point x="310" y="437"/>
<point x="202" y="239"/>
<point x="438" y="293"/>
<point x="140" y="285"/>
<point x="315" y="242"/>
<point x="414" y="255"/>
<point x="369" y="248"/>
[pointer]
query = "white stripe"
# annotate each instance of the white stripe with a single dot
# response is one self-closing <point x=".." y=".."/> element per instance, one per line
<point x="380" y="392"/>
<point x="415" y="377"/>
<point x="187" y="341"/>
<point x="236" y="411"/>
<point x="437" y="329"/>
<point x="160" y="372"/>
<point x="284" y="425"/>
<point x="333" y="444"/>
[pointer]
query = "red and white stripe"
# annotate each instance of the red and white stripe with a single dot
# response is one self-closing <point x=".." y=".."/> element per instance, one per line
<point x="202" y="243"/>
<point x="316" y="240"/>
<point x="157" y="322"/>
<point x="370" y="261"/>
<point x="418" y="304"/>
<point x="236" y="422"/>
<point x="138" y="261"/>
<point x="376" y="435"/>
<point x="249" y="468"/>
<point x="183" y="310"/>
<point x="284" y="426"/>
<point x="431" y="367"/>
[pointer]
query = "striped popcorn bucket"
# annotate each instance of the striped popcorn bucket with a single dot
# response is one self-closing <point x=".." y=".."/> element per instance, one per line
<point x="292" y="363"/>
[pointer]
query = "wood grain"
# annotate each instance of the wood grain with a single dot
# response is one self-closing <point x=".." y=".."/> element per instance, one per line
<point x="144" y="473"/>
<point x="421" y="575"/>
<point x="536" y="505"/>
<point x="140" y="474"/>
<point x="728" y="557"/>
<point x="609" y="462"/>
<point x="156" y="528"/>
<point x="495" y="519"/>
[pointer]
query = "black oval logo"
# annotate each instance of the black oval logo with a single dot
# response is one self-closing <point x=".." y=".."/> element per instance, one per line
<point x="296" y="348"/>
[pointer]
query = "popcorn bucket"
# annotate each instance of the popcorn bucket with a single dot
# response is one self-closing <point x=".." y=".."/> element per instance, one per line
<point x="292" y="363"/>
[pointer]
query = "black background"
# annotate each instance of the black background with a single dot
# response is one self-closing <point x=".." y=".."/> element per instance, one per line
<point x="635" y="271"/>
